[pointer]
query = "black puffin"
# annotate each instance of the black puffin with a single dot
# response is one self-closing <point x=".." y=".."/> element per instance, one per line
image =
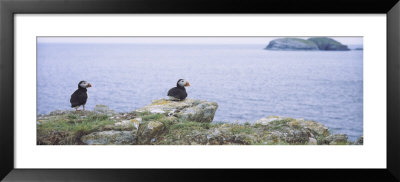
<point x="79" y="97"/>
<point x="179" y="92"/>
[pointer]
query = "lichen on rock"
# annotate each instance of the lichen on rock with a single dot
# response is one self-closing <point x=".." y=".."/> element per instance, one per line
<point x="188" y="109"/>
<point x="149" y="131"/>
<point x="128" y="124"/>
<point x="336" y="139"/>
<point x="110" y="138"/>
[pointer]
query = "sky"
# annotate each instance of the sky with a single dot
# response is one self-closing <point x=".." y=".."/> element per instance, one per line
<point x="182" y="40"/>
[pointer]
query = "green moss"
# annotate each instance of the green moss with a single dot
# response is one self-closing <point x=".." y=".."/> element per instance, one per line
<point x="239" y="129"/>
<point x="152" y="116"/>
<point x="97" y="117"/>
<point x="167" y="121"/>
<point x="320" y="139"/>
<point x="72" y="116"/>
<point x="189" y="125"/>
<point x="279" y="124"/>
<point x="295" y="124"/>
<point x="185" y="132"/>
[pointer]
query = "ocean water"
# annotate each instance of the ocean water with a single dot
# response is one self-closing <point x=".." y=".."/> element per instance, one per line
<point x="246" y="81"/>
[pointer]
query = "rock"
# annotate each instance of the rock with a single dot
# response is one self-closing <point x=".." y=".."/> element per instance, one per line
<point x="315" y="127"/>
<point x="103" y="109"/>
<point x="128" y="124"/>
<point x="188" y="109"/>
<point x="296" y="137"/>
<point x="266" y="120"/>
<point x="328" y="44"/>
<point x="110" y="138"/>
<point x="287" y="130"/>
<point x="215" y="137"/>
<point x="149" y="131"/>
<point x="312" y="141"/>
<point x="243" y="139"/>
<point x="336" y="139"/>
<point x="359" y="141"/>
<point x="219" y="135"/>
<point x="291" y="44"/>
<point x="203" y="112"/>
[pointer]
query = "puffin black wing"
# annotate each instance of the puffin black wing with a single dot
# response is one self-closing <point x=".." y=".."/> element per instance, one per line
<point x="79" y="97"/>
<point x="178" y="93"/>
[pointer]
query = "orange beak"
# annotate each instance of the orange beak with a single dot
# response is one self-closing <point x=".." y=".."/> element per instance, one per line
<point x="187" y="84"/>
<point x="89" y="85"/>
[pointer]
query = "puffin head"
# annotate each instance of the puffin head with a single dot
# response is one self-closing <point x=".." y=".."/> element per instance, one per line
<point x="182" y="83"/>
<point x="84" y="84"/>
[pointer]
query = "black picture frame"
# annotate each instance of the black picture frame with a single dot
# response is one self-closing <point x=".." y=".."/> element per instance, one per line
<point x="8" y="8"/>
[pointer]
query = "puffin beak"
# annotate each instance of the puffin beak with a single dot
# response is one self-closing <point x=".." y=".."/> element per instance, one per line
<point x="187" y="84"/>
<point x="89" y="85"/>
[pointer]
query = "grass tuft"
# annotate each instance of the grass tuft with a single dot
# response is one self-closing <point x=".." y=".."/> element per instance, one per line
<point x="68" y="129"/>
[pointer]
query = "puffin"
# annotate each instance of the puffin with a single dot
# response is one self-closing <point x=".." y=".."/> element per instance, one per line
<point x="178" y="93"/>
<point x="79" y="97"/>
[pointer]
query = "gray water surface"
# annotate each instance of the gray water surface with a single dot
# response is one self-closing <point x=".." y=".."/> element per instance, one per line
<point x="247" y="82"/>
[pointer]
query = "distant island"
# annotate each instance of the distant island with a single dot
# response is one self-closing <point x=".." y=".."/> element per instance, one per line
<point x="312" y="44"/>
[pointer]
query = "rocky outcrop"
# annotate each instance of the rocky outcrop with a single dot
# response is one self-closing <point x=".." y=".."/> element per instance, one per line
<point x="291" y="44"/>
<point x="278" y="131"/>
<point x="187" y="122"/>
<point x="186" y="110"/>
<point x="313" y="44"/>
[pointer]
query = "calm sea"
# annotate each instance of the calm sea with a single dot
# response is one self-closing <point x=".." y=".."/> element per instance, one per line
<point x="247" y="82"/>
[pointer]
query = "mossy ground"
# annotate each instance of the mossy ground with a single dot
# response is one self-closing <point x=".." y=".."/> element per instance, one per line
<point x="67" y="129"/>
